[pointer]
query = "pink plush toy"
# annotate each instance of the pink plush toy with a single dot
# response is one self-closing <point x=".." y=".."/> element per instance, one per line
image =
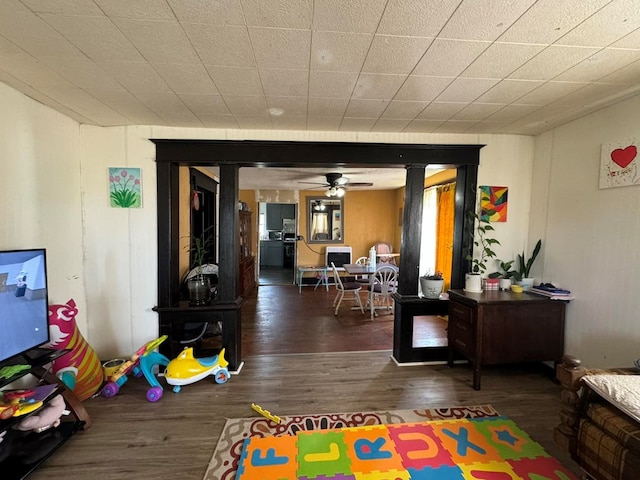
<point x="48" y="416"/>
<point x="80" y="369"/>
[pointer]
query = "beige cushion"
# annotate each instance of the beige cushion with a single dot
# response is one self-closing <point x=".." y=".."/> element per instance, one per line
<point x="622" y="391"/>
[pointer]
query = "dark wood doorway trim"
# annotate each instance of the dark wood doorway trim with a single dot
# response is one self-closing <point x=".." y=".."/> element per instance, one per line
<point x="232" y="155"/>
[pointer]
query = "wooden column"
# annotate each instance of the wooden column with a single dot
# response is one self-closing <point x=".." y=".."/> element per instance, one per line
<point x="229" y="262"/>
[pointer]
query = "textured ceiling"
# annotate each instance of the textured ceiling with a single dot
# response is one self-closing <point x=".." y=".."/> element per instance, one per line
<point x="429" y="66"/>
<point x="445" y="66"/>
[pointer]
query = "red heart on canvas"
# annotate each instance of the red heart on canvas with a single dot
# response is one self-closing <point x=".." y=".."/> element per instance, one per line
<point x="623" y="157"/>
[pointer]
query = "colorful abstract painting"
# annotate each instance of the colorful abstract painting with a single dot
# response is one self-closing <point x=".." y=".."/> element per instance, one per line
<point x="619" y="164"/>
<point x="125" y="187"/>
<point x="493" y="203"/>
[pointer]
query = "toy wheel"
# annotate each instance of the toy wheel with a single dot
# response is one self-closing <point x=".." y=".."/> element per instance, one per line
<point x="176" y="389"/>
<point x="110" y="389"/>
<point x="222" y="376"/>
<point x="154" y="394"/>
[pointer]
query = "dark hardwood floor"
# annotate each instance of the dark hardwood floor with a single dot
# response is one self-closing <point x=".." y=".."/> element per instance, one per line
<point x="280" y="320"/>
<point x="298" y="359"/>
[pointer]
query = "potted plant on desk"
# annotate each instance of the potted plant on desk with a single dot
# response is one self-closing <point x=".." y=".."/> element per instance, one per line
<point x="524" y="267"/>
<point x="484" y="245"/>
<point x="431" y="285"/>
<point x="505" y="275"/>
<point x="199" y="285"/>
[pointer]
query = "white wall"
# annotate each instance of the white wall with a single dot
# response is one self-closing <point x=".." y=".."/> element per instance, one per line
<point x="41" y="192"/>
<point x="108" y="256"/>
<point x="591" y="237"/>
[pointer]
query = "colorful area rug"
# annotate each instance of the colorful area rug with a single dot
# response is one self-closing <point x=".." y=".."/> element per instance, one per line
<point x="226" y="457"/>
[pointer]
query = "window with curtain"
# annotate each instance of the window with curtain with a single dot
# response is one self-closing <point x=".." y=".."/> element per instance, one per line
<point x="437" y="231"/>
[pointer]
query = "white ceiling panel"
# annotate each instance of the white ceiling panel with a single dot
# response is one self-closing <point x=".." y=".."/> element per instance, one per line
<point x="210" y="12"/>
<point x="158" y="42"/>
<point x="291" y="83"/>
<point x="332" y="84"/>
<point x="508" y="91"/>
<point x="339" y="51"/>
<point x="400" y="110"/>
<point x="236" y="81"/>
<point x="551" y="62"/>
<point x="221" y="45"/>
<point x="416" y="17"/>
<point x="278" y="13"/>
<point x="548" y="20"/>
<point x="358" y="16"/>
<point x="500" y="59"/>
<point x="449" y="58"/>
<point x="96" y="37"/>
<point x="189" y="78"/>
<point x="377" y="86"/>
<point x="445" y="66"/>
<point x="391" y="54"/>
<point x="482" y="20"/>
<point x="280" y="48"/>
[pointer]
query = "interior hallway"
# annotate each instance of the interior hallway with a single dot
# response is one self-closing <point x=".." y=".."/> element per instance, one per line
<point x="279" y="320"/>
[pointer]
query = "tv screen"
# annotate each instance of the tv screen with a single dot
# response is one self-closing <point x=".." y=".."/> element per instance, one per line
<point x="24" y="305"/>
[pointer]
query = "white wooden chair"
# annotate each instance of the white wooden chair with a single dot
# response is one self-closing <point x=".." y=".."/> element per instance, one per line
<point x="342" y="288"/>
<point x="362" y="279"/>
<point x="384" y="285"/>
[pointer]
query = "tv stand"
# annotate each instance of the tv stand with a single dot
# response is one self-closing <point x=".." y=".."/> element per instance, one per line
<point x="23" y="452"/>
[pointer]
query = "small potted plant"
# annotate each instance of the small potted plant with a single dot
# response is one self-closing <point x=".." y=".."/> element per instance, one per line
<point x="504" y="275"/>
<point x="524" y="267"/>
<point x="431" y="285"/>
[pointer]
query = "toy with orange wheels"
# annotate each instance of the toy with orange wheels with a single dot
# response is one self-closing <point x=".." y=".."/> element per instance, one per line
<point x="143" y="362"/>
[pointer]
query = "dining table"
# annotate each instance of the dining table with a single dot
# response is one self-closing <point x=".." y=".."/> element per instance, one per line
<point x="363" y="269"/>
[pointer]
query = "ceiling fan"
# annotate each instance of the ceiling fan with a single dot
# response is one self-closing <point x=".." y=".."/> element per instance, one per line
<point x="336" y="184"/>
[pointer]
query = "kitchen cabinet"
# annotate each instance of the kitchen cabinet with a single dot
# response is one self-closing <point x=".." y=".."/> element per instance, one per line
<point x="272" y="254"/>
<point x="274" y="216"/>
<point x="276" y="212"/>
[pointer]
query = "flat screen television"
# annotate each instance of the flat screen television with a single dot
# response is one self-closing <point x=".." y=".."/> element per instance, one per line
<point x="24" y="304"/>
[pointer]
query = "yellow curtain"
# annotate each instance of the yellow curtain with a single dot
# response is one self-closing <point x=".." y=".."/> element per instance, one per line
<point x="444" y="229"/>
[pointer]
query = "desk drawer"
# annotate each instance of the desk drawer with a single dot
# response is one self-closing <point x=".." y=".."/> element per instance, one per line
<point x="460" y="312"/>
<point x="461" y="336"/>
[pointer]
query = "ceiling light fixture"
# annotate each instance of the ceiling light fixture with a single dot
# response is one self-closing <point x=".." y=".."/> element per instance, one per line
<point x="335" y="192"/>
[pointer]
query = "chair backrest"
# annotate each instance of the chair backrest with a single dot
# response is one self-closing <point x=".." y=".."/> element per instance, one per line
<point x="387" y="277"/>
<point x="336" y="277"/>
<point x="381" y="249"/>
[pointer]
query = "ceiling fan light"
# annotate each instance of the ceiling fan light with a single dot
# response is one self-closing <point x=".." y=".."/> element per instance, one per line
<point x="340" y="192"/>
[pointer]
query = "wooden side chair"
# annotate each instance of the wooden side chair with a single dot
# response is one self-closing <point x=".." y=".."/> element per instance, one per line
<point x="342" y="288"/>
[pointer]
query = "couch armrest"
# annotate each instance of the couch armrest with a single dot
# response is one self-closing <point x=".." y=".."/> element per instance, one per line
<point x="569" y="373"/>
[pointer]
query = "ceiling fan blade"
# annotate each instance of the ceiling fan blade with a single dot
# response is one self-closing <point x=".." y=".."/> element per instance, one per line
<point x="316" y="183"/>
<point x="359" y="184"/>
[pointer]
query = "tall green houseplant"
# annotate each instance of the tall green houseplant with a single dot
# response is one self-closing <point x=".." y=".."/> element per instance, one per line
<point x="482" y="241"/>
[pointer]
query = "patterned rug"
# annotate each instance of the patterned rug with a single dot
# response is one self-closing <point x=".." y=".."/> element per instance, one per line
<point x="226" y="457"/>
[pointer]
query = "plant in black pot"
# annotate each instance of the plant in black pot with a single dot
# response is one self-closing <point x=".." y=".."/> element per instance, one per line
<point x="199" y="285"/>
<point x="431" y="285"/>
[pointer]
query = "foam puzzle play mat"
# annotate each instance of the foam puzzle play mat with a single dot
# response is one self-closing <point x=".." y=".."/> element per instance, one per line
<point x="467" y="449"/>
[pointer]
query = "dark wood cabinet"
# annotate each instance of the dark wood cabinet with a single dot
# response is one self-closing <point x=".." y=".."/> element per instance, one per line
<point x="496" y="327"/>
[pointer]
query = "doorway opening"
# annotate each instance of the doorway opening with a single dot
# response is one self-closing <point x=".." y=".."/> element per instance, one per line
<point x="277" y="232"/>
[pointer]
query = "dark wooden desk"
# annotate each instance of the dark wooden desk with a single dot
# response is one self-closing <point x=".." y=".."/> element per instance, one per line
<point x="497" y="327"/>
<point x="171" y="322"/>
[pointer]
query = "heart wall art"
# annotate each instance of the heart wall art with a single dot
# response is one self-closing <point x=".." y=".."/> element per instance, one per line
<point x="619" y="164"/>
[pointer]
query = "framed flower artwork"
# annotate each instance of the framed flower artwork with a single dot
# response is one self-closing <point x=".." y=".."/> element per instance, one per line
<point x="125" y="187"/>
